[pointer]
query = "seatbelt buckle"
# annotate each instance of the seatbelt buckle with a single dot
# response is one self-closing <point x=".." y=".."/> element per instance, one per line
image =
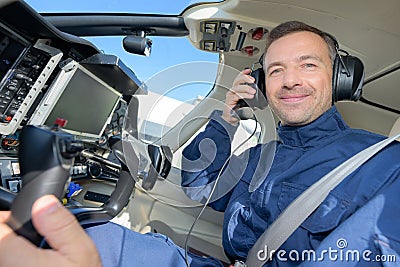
<point x="238" y="264"/>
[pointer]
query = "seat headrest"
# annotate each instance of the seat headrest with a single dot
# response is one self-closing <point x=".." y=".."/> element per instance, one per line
<point x="395" y="128"/>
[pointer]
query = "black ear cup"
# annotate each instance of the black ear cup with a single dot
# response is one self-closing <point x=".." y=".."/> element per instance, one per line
<point x="259" y="76"/>
<point x="347" y="78"/>
<point x="259" y="99"/>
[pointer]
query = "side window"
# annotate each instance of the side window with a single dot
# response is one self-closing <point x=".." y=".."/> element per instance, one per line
<point x="172" y="93"/>
<point x="158" y="113"/>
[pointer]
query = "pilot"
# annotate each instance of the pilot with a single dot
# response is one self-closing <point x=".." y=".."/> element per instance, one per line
<point x="313" y="140"/>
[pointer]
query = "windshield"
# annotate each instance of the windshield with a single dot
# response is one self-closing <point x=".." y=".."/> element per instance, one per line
<point x="168" y="7"/>
<point x="166" y="52"/>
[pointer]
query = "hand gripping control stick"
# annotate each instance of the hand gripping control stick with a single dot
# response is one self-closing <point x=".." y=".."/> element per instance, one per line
<point x="46" y="156"/>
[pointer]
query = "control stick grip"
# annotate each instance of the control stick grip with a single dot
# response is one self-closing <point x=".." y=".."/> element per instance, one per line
<point x="51" y="181"/>
<point x="45" y="157"/>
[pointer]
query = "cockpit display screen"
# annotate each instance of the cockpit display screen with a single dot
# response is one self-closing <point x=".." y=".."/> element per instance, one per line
<point x="87" y="103"/>
<point x="10" y="50"/>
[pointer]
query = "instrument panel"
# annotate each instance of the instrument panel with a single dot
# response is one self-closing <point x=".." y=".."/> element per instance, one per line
<point x="23" y="82"/>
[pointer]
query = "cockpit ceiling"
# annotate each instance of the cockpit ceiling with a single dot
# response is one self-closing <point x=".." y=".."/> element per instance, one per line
<point x="384" y="91"/>
<point x="367" y="29"/>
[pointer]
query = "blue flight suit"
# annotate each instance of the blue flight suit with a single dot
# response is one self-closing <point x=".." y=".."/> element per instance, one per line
<point x="121" y="247"/>
<point x="302" y="155"/>
<point x="369" y="237"/>
<point x="256" y="186"/>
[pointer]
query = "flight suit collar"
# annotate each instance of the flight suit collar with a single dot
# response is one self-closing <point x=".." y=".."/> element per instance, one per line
<point x="328" y="125"/>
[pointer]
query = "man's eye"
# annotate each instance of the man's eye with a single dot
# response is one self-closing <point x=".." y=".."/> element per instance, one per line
<point x="275" y="72"/>
<point x="310" y="66"/>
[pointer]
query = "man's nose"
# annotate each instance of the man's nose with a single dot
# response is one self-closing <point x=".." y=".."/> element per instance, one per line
<point x="292" y="78"/>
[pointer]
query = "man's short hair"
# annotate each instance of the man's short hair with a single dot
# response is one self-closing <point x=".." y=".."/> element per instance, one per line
<point x="297" y="26"/>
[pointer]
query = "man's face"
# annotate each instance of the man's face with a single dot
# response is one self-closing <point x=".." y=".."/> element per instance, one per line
<point x="298" y="78"/>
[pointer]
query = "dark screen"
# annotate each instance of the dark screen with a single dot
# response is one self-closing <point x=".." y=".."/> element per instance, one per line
<point x="10" y="50"/>
<point x="85" y="103"/>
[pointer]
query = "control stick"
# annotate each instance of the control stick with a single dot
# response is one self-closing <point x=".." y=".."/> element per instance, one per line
<point x="46" y="156"/>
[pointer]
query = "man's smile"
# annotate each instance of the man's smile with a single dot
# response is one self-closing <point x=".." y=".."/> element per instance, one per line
<point x="294" y="97"/>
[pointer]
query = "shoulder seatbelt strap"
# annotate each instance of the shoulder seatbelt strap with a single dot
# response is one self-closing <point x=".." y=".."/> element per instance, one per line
<point x="298" y="211"/>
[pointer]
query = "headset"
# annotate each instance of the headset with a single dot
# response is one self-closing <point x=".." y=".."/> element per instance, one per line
<point x="347" y="76"/>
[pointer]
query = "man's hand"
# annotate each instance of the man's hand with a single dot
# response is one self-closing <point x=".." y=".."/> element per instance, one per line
<point x="240" y="89"/>
<point x="71" y="246"/>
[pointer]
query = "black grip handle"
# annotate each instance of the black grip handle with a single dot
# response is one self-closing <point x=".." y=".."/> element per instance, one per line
<point x="52" y="181"/>
<point x="119" y="199"/>
<point x="45" y="159"/>
<point x="120" y="196"/>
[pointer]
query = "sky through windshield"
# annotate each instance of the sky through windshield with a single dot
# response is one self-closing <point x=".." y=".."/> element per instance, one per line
<point x="170" y="7"/>
<point x="166" y="52"/>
